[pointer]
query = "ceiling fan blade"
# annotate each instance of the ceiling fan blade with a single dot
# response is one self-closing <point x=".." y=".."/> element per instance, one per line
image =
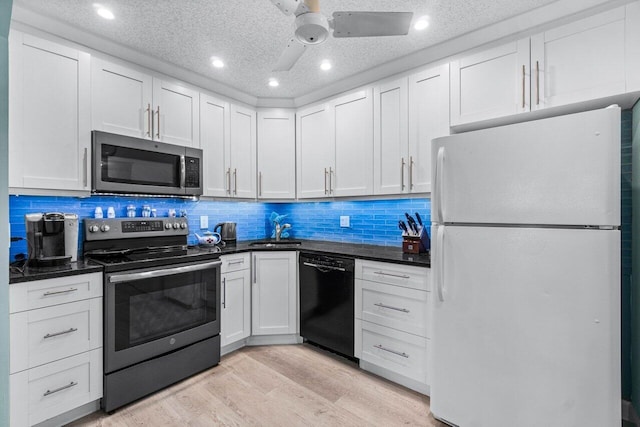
<point x="291" y="7"/>
<point x="290" y="56"/>
<point x="371" y="24"/>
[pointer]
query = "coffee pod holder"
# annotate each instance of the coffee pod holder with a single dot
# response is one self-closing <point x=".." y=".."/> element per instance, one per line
<point x="412" y="244"/>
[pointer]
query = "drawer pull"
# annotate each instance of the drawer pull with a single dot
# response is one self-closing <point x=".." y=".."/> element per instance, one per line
<point x="381" y="305"/>
<point x="68" y="331"/>
<point x="64" y="387"/>
<point x="397" y="353"/>
<point x="47" y="294"/>
<point x="238" y="261"/>
<point x="402" y="276"/>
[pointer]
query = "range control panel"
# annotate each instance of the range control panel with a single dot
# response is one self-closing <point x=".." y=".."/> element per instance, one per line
<point x="123" y="228"/>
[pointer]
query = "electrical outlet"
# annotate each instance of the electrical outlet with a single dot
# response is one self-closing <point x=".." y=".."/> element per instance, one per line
<point x="344" y="221"/>
<point x="204" y="222"/>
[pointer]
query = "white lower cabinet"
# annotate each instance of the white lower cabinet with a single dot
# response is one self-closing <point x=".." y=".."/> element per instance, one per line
<point x="235" y="324"/>
<point x="56" y="346"/>
<point x="392" y="325"/>
<point x="274" y="293"/>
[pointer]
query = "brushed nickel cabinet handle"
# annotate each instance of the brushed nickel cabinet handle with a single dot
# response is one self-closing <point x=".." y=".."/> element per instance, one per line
<point x="330" y="181"/>
<point x="325" y="180"/>
<point x="402" y="276"/>
<point x="537" y="83"/>
<point x="397" y="353"/>
<point x="255" y="270"/>
<point x="56" y="334"/>
<point x="229" y="181"/>
<point x="158" y="133"/>
<point x="259" y="183"/>
<point x="523" y="77"/>
<point x="64" y="387"/>
<point x="85" y="168"/>
<point x="411" y="173"/>
<point x="224" y="292"/>
<point x="149" y="120"/>
<point x="66" y="291"/>
<point x="402" y="163"/>
<point x="238" y="261"/>
<point x="235" y="182"/>
<point x="381" y="305"/>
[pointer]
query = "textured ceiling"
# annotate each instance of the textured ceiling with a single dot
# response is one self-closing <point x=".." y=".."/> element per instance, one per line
<point x="250" y="35"/>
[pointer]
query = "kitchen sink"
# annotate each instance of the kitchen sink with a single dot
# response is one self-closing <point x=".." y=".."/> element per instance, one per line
<point x="276" y="244"/>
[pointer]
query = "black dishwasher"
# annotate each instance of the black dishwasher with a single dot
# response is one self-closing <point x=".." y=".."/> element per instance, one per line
<point x="326" y="301"/>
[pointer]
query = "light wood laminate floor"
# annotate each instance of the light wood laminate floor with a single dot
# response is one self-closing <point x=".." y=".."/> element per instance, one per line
<point x="288" y="385"/>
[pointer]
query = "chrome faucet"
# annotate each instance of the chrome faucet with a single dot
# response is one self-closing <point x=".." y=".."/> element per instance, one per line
<point x="280" y="229"/>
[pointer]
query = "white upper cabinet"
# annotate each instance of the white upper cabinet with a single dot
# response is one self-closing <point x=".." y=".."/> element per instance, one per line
<point x="276" y="155"/>
<point x="130" y="102"/>
<point x="242" y="167"/>
<point x="215" y="142"/>
<point x="121" y="100"/>
<point x="428" y="119"/>
<point x="591" y="59"/>
<point x="315" y="151"/>
<point x="352" y="174"/>
<point x="49" y="115"/>
<point x="490" y="84"/>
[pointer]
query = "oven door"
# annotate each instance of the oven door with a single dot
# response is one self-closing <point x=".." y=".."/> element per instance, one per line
<point x="153" y="311"/>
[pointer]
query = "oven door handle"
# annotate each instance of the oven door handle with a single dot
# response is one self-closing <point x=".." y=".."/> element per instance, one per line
<point x="130" y="277"/>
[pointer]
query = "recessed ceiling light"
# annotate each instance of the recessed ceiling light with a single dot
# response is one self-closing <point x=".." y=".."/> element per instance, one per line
<point x="421" y="23"/>
<point x="325" y="65"/>
<point x="217" y="62"/>
<point x="273" y="82"/>
<point x="103" y="11"/>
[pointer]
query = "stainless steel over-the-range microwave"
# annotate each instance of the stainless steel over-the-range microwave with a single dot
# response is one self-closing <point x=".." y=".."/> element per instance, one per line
<point x="123" y="164"/>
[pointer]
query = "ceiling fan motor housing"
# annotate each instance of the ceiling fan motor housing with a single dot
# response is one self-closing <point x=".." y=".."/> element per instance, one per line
<point x="312" y="28"/>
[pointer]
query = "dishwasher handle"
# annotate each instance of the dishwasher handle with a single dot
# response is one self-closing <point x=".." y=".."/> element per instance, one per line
<point x="324" y="268"/>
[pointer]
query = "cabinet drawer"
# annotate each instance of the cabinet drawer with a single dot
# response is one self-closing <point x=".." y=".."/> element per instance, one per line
<point x="235" y="262"/>
<point x="51" y="333"/>
<point x="396" y="307"/>
<point x="399" y="352"/>
<point x="43" y="293"/>
<point x="393" y="274"/>
<point x="52" y="389"/>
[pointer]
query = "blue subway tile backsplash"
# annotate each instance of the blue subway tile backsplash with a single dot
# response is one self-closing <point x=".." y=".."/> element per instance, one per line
<point x="371" y="221"/>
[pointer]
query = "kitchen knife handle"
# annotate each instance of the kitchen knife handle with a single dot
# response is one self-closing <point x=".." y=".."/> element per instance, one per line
<point x="229" y="181"/>
<point x="439" y="183"/>
<point x="440" y="263"/>
<point x="410" y="173"/>
<point x="325" y="180"/>
<point x="402" y="174"/>
<point x="235" y="182"/>
<point x="224" y="292"/>
<point x="158" y="133"/>
<point x="149" y="120"/>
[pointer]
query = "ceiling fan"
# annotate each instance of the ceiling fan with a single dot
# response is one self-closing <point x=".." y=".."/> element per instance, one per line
<point x="312" y="27"/>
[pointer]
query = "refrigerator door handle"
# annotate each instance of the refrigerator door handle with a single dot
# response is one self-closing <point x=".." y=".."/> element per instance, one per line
<point x="440" y="264"/>
<point x="439" y="183"/>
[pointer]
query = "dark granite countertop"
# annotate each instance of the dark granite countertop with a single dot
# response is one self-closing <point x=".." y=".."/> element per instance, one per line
<point x="28" y="274"/>
<point x="370" y="252"/>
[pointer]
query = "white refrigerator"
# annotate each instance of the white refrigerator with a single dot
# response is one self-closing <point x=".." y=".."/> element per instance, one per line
<point x="526" y="274"/>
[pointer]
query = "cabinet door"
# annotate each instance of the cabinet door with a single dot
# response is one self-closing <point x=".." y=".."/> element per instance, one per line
<point x="490" y="84"/>
<point x="236" y="306"/>
<point x="276" y="155"/>
<point x="121" y="100"/>
<point x="580" y="61"/>
<point x="315" y="151"/>
<point x="353" y="124"/>
<point x="243" y="152"/>
<point x="215" y="143"/>
<point x="390" y="118"/>
<point x="428" y="119"/>
<point x="49" y="115"/>
<point x="274" y="295"/>
<point x="176" y="114"/>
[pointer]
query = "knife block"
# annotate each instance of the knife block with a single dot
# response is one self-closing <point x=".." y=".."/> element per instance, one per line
<point x="416" y="244"/>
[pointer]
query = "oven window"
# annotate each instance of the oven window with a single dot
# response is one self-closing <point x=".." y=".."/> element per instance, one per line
<point x="148" y="309"/>
<point x="134" y="166"/>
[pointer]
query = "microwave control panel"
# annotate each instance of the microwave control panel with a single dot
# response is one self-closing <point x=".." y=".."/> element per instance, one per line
<point x="192" y="172"/>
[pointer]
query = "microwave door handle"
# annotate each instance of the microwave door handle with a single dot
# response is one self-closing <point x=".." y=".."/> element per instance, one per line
<point x="130" y="277"/>
<point x="183" y="171"/>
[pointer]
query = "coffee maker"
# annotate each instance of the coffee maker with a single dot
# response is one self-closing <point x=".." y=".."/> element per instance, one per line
<point x="227" y="231"/>
<point x="52" y="238"/>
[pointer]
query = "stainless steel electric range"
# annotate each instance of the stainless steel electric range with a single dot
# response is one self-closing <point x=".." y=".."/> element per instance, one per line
<point x="161" y="304"/>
